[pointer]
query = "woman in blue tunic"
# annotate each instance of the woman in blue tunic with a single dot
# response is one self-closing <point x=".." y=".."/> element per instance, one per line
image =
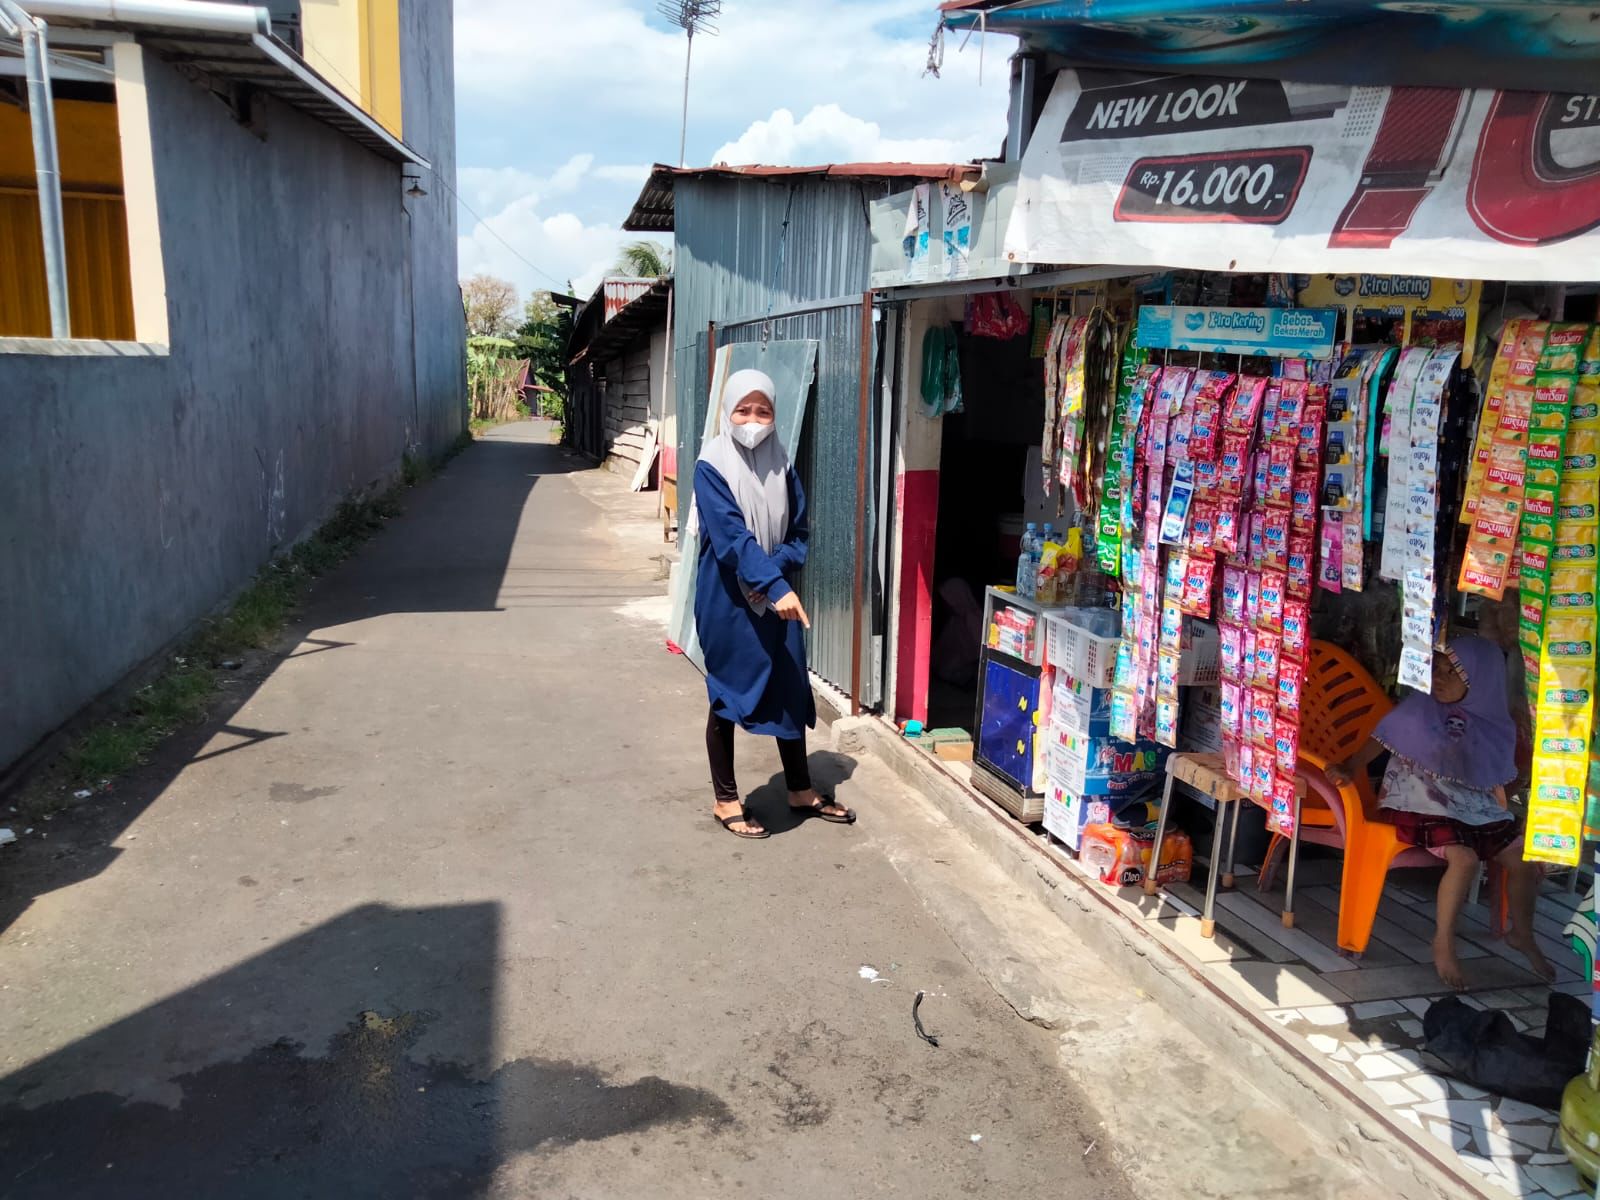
<point x="751" y="515"/>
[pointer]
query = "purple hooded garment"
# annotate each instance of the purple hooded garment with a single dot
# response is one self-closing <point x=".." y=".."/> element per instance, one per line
<point x="1473" y="742"/>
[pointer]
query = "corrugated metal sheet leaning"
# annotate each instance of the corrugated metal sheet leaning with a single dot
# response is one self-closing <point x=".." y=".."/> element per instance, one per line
<point x="748" y="246"/>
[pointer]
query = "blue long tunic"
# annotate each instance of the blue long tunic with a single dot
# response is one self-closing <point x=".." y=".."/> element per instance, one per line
<point x="755" y="665"/>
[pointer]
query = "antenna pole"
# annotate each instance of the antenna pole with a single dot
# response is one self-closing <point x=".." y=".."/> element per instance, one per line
<point x="683" y="127"/>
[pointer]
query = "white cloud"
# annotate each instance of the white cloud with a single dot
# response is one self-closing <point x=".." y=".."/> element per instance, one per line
<point x="828" y="134"/>
<point x="559" y="115"/>
<point x="601" y="59"/>
<point x="630" y="173"/>
<point x="560" y="245"/>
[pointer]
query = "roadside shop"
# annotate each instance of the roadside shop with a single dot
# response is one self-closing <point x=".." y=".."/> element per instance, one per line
<point x="1332" y="401"/>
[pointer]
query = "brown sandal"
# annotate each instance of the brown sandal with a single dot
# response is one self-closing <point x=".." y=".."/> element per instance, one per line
<point x="729" y="822"/>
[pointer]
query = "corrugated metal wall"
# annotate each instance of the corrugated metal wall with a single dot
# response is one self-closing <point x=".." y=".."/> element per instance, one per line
<point x="735" y="260"/>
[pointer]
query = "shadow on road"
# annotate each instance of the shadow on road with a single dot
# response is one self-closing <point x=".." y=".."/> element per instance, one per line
<point x="448" y="552"/>
<point x="152" y="1106"/>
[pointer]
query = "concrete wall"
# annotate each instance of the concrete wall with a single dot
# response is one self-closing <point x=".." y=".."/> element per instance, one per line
<point x="137" y="492"/>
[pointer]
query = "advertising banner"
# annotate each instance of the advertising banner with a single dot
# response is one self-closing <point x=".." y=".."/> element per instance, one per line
<point x="1230" y="174"/>
<point x="1276" y="332"/>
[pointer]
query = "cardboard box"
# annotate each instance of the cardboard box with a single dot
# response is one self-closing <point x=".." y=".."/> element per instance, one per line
<point x="1090" y="765"/>
<point x="1066" y="814"/>
<point x="1078" y="707"/>
<point x="1202" y="720"/>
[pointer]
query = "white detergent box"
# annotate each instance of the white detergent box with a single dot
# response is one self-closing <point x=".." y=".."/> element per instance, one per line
<point x="1066" y="814"/>
<point x="1079" y="708"/>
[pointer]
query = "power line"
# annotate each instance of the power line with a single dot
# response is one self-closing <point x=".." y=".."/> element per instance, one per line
<point x="517" y="254"/>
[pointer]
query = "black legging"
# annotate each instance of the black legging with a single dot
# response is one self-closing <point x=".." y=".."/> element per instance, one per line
<point x="719" y="748"/>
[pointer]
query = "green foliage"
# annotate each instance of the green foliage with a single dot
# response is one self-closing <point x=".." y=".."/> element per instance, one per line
<point x="646" y="259"/>
<point x="106" y="752"/>
<point x="542" y="340"/>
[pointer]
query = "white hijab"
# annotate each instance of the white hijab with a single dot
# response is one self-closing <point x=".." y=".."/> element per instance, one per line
<point x="759" y="478"/>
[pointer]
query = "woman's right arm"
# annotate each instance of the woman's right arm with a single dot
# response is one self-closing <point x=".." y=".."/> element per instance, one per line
<point x="731" y="541"/>
<point x="1341" y="773"/>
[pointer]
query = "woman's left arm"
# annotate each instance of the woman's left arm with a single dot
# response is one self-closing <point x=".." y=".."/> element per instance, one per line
<point x="791" y="556"/>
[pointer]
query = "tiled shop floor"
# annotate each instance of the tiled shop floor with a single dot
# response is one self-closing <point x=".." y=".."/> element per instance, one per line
<point x="1362" y="1018"/>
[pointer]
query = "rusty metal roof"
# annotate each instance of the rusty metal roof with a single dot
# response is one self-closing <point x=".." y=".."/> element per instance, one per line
<point x="653" y="210"/>
<point x="599" y="329"/>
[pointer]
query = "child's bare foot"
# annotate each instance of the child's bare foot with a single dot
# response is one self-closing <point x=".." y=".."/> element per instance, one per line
<point x="1528" y="946"/>
<point x="1448" y="965"/>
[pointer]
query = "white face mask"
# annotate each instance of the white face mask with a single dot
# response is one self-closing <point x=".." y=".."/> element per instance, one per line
<point x="751" y="434"/>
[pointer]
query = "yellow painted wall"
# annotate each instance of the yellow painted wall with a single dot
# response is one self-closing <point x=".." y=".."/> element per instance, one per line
<point x="355" y="44"/>
<point x="98" y="285"/>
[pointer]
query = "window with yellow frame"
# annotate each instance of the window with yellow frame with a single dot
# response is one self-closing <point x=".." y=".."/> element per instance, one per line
<point x="93" y="208"/>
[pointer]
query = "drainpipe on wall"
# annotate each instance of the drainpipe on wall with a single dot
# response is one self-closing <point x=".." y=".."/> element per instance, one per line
<point x="46" y="162"/>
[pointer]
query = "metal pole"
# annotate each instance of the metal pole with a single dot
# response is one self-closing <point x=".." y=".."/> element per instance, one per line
<point x="46" y="162"/>
<point x="683" y="127"/>
<point x="857" y="600"/>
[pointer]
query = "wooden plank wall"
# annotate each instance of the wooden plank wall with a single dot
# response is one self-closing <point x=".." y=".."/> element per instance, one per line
<point x="627" y="407"/>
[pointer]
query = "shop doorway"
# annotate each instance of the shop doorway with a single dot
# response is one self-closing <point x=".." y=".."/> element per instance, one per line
<point x="986" y="495"/>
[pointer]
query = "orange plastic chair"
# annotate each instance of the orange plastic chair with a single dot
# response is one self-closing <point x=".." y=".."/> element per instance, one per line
<point x="1340" y="706"/>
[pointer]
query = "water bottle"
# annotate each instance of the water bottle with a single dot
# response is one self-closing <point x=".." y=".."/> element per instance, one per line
<point x="1028" y="562"/>
<point x="1044" y="587"/>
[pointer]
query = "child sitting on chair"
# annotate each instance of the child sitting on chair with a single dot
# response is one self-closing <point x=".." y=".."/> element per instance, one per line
<point x="1451" y="755"/>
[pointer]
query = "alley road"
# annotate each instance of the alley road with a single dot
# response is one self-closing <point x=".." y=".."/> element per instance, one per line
<point x="440" y="911"/>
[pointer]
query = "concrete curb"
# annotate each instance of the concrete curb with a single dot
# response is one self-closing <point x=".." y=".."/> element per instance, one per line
<point x="1404" y="1166"/>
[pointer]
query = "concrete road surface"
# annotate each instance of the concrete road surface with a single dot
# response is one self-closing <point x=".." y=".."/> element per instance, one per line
<point x="435" y="908"/>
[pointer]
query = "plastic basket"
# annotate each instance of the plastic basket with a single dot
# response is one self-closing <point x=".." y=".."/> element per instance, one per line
<point x="1073" y="646"/>
<point x="1201" y="660"/>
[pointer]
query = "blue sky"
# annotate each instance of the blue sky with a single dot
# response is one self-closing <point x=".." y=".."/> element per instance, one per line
<point x="559" y="118"/>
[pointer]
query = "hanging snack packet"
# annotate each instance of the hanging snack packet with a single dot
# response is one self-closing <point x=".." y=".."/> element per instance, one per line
<point x="1247" y="663"/>
<point x="1284" y="802"/>
<point x="1225" y="540"/>
<point x="1291" y="405"/>
<point x="1330" y="556"/>
<point x="1263" y="712"/>
<point x="1243" y="407"/>
<point x="1291" y="685"/>
<point x="1262" y="775"/>
<point x="1197" y="583"/>
<point x="1258" y="543"/>
<point x="1286" y="744"/>
<point x="1231" y="651"/>
<point x="1296" y="628"/>
<point x="1582" y="461"/>
<point x="1275" y="540"/>
<point x="1279" y="492"/>
<point x="1308" y="449"/>
<point x="1245" y="754"/>
<point x="1203" y="431"/>
<point x="1303" y="501"/>
<point x="1269" y="654"/>
<point x="1233" y="463"/>
<point x="1269" y="613"/>
<point x="1171" y="626"/>
<point x="1563" y="349"/>
<point x="1299" y="574"/>
<point x="1167" y="674"/>
<point x="1167" y="714"/>
<point x="1576" y="502"/>
<point x="1229" y="706"/>
<point x="1234" y="584"/>
<point x="1261" y="479"/>
<point x="1207" y="478"/>
<point x="1202" y="527"/>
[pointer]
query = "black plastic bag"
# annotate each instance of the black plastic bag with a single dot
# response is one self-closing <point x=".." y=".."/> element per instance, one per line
<point x="1483" y="1048"/>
